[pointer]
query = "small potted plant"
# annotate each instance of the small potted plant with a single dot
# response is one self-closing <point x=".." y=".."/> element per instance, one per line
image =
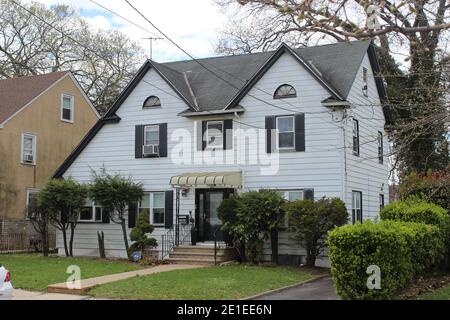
<point x="193" y="229"/>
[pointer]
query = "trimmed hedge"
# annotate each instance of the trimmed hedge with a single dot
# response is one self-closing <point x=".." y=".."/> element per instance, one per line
<point x="416" y="210"/>
<point x="402" y="250"/>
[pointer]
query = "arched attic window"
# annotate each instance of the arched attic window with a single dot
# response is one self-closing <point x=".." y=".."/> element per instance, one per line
<point x="285" y="91"/>
<point x="152" y="102"/>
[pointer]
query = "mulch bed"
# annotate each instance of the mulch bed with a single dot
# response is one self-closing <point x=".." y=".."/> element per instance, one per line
<point x="425" y="284"/>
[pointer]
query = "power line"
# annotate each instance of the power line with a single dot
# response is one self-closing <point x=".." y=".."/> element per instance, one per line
<point x="208" y="69"/>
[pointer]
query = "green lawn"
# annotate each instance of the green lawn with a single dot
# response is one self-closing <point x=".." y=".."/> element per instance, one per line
<point x="228" y="282"/>
<point x="34" y="272"/>
<point x="439" y="294"/>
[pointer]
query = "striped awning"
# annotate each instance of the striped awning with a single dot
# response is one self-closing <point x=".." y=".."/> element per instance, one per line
<point x="209" y="179"/>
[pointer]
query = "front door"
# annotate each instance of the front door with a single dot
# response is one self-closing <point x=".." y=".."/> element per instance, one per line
<point x="206" y="218"/>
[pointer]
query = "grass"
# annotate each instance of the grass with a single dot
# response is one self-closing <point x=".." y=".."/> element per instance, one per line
<point x="216" y="283"/>
<point x="34" y="272"/>
<point x="439" y="294"/>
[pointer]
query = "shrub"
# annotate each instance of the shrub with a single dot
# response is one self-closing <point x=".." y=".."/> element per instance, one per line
<point x="402" y="250"/>
<point x="414" y="209"/>
<point x="310" y="221"/>
<point x="139" y="235"/>
<point x="260" y="215"/>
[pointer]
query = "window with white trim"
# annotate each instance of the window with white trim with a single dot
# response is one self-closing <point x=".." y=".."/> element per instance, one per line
<point x="365" y="88"/>
<point x="291" y="195"/>
<point x="357" y="207"/>
<point x="32" y="197"/>
<point x="151" y="140"/>
<point x="214" y="134"/>
<point x="28" y="155"/>
<point x="152" y="102"/>
<point x="91" y="212"/>
<point x="381" y="201"/>
<point x="67" y="108"/>
<point x="285" y="91"/>
<point x="285" y="126"/>
<point x="380" y="147"/>
<point x="154" y="204"/>
<point x="355" y="133"/>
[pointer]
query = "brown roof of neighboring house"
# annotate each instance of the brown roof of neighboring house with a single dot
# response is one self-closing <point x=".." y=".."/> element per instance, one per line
<point x="15" y="93"/>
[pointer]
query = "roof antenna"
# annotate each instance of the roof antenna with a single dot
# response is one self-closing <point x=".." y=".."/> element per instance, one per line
<point x="151" y="39"/>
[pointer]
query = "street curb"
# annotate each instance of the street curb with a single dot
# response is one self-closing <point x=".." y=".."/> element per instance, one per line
<point x="259" y="295"/>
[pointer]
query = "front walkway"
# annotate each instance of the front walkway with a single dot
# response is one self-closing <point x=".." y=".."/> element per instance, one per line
<point x="321" y="289"/>
<point x="88" y="284"/>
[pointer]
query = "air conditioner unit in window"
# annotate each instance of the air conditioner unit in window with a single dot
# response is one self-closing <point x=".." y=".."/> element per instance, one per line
<point x="150" y="150"/>
<point x="28" y="158"/>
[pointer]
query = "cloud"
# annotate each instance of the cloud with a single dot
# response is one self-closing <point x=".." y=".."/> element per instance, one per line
<point x="192" y="24"/>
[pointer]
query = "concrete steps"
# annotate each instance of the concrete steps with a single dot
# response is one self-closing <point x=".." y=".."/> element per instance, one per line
<point x="201" y="255"/>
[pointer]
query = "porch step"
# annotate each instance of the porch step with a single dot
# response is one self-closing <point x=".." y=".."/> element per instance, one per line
<point x="201" y="255"/>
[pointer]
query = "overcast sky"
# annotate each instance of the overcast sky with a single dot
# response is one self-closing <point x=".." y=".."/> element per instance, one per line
<point x="194" y="24"/>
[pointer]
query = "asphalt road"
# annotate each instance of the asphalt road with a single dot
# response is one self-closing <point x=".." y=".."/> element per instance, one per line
<point x="321" y="289"/>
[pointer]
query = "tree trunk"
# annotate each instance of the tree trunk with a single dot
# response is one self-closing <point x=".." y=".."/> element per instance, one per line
<point x="243" y="254"/>
<point x="66" y="249"/>
<point x="274" y="245"/>
<point x="45" y="244"/>
<point x="310" y="257"/>
<point x="125" y="237"/>
<point x="72" y="235"/>
<point x="101" y="244"/>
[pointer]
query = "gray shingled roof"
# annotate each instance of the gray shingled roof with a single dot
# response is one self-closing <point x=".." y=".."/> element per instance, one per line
<point x="337" y="63"/>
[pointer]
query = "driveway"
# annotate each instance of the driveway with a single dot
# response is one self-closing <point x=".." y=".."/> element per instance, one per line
<point x="321" y="289"/>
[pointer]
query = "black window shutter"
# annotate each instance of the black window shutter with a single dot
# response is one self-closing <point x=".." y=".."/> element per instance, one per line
<point x="201" y="128"/>
<point x="270" y="125"/>
<point x="308" y="194"/>
<point x="168" y="218"/>
<point x="228" y="134"/>
<point x="300" y="132"/>
<point x="132" y="215"/>
<point x="139" y="141"/>
<point x="163" y="140"/>
<point x="105" y="216"/>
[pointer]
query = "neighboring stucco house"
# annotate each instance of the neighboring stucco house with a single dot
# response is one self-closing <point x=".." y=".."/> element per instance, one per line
<point x="308" y="122"/>
<point x="42" y="119"/>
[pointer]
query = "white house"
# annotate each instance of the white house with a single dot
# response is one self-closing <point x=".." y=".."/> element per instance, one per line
<point x="308" y="122"/>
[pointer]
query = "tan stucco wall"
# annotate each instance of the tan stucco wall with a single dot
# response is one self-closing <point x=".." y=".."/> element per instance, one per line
<point x="55" y="141"/>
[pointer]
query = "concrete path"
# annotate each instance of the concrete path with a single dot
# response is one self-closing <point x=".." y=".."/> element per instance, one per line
<point x="321" y="289"/>
<point x="89" y="283"/>
<point x="29" y="295"/>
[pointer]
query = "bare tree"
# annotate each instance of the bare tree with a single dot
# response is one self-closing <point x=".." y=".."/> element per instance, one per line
<point x="102" y="61"/>
<point x="412" y="36"/>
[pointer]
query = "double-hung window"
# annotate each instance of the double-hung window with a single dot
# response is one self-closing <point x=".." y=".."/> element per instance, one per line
<point x="28" y="149"/>
<point x="151" y="140"/>
<point x="285" y="126"/>
<point x="67" y="108"/>
<point x="357" y="206"/>
<point x="365" y="82"/>
<point x="291" y="195"/>
<point x="381" y="201"/>
<point x="355" y="137"/>
<point x="214" y="134"/>
<point x="380" y="147"/>
<point x="153" y="204"/>
<point x="91" y="212"/>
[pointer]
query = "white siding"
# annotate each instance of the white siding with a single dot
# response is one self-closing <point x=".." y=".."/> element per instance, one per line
<point x="365" y="173"/>
<point x="319" y="167"/>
